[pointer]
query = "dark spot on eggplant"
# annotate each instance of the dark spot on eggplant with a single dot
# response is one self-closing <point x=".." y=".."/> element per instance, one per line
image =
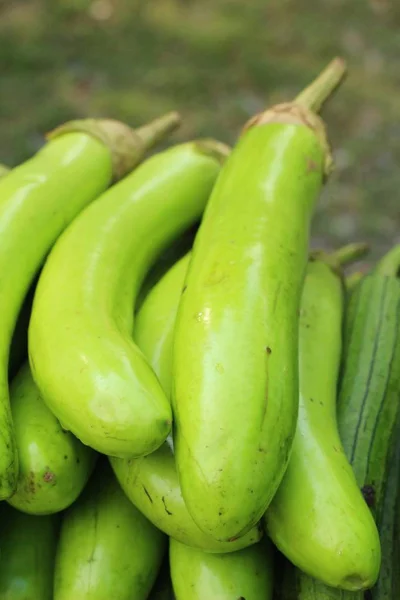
<point x="65" y="457"/>
<point x="147" y="494"/>
<point x="78" y="460"/>
<point x="312" y="166"/>
<point x="269" y="351"/>
<point x="184" y="289"/>
<point x="48" y="476"/>
<point x="166" y="509"/>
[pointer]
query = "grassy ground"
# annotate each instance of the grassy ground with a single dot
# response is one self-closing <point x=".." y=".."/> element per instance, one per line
<point x="218" y="62"/>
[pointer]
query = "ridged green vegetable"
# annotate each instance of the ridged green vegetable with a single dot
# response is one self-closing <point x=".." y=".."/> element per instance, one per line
<point x="107" y="548"/>
<point x="54" y="466"/>
<point x="318" y="517"/>
<point x="235" y="390"/>
<point x="90" y="372"/>
<point x="27" y="550"/>
<point x="246" y="574"/>
<point x="388" y="584"/>
<point x="38" y="200"/>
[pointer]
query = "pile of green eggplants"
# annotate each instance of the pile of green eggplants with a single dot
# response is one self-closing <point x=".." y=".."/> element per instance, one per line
<point x="195" y="404"/>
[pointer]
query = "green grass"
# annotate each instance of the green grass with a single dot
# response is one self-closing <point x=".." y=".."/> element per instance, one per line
<point x="217" y="62"/>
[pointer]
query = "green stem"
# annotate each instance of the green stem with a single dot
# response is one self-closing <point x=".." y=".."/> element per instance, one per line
<point x="158" y="129"/>
<point x="317" y="93"/>
<point x="390" y="264"/>
<point x="213" y="148"/>
<point x="350" y="253"/>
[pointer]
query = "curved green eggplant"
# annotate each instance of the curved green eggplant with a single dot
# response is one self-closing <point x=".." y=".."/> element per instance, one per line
<point x="54" y="466"/>
<point x="155" y="322"/>
<point x="318" y="517"/>
<point x="172" y="255"/>
<point x="243" y="575"/>
<point x="107" y="548"/>
<point x="152" y="484"/>
<point x="235" y="374"/>
<point x="27" y="551"/>
<point x="90" y="372"/>
<point x="38" y="200"/>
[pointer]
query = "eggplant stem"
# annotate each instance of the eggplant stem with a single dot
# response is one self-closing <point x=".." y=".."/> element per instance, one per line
<point x="314" y="96"/>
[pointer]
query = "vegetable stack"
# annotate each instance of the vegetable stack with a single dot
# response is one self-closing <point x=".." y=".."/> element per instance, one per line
<point x="195" y="404"/>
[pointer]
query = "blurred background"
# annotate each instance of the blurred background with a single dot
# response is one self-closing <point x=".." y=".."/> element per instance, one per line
<point x="217" y="62"/>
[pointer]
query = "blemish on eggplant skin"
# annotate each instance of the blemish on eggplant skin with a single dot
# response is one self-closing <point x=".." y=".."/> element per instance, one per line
<point x="312" y="166"/>
<point x="268" y="350"/>
<point x="147" y="494"/>
<point x="184" y="289"/>
<point x="165" y="506"/>
<point x="48" y="476"/>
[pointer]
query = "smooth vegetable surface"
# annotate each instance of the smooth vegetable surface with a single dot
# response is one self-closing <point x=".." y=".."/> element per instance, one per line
<point x="27" y="549"/>
<point x="107" y="548"/>
<point x="90" y="372"/>
<point x="54" y="466"/>
<point x="38" y="199"/>
<point x="155" y="322"/>
<point x="152" y="484"/>
<point x="197" y="575"/>
<point x="235" y="380"/>
<point x="318" y="518"/>
<point x="368" y="400"/>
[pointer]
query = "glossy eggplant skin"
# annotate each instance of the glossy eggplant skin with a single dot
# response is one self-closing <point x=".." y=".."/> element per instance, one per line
<point x="235" y="364"/>
<point x="54" y="466"/>
<point x="198" y="575"/>
<point x="107" y="548"/>
<point x="152" y="484"/>
<point x="38" y="199"/>
<point x="89" y="370"/>
<point x="27" y="546"/>
<point x="318" y="517"/>
<point x="155" y="322"/>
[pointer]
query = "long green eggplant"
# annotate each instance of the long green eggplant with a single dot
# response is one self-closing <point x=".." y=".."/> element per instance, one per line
<point x="54" y="466"/>
<point x="38" y="200"/>
<point x="246" y="574"/>
<point x="235" y="374"/>
<point x="27" y="551"/>
<point x="155" y="322"/>
<point x="318" y="517"/>
<point x="90" y="372"/>
<point x="151" y="483"/>
<point x="107" y="548"/>
<point x="172" y="255"/>
<point x="368" y="400"/>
